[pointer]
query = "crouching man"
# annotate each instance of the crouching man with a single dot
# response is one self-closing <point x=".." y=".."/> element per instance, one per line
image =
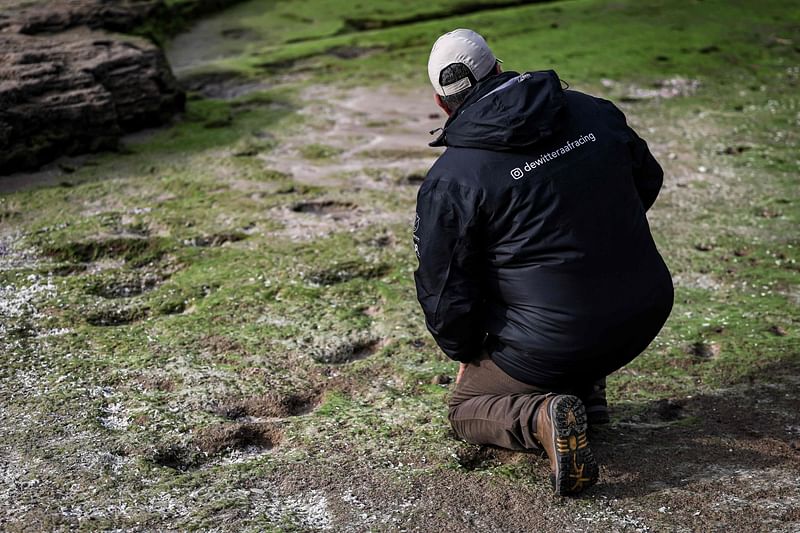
<point x="537" y="268"/>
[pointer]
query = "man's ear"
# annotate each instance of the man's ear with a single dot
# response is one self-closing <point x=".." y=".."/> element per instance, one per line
<point x="441" y="104"/>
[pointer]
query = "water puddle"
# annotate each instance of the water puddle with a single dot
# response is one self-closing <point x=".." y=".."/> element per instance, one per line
<point x="229" y="33"/>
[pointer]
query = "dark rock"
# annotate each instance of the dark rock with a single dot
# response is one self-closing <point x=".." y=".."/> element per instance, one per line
<point x="78" y="91"/>
<point x="67" y="86"/>
<point x="32" y="18"/>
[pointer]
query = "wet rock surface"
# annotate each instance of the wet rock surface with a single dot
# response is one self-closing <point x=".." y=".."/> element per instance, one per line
<point x="78" y="91"/>
<point x="32" y="18"/>
<point x="69" y="86"/>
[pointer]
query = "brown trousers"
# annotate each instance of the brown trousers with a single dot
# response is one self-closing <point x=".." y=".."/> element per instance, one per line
<point x="490" y="407"/>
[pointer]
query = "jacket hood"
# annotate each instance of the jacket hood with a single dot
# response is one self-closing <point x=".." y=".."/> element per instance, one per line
<point x="507" y="112"/>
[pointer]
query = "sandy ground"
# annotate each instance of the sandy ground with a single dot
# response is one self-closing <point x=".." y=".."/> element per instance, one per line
<point x="381" y="134"/>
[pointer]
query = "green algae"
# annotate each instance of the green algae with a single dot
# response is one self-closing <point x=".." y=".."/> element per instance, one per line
<point x="647" y="40"/>
<point x="319" y="151"/>
<point x="242" y="304"/>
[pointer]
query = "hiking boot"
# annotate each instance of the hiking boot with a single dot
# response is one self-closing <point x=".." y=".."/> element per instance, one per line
<point x="561" y="430"/>
<point x="596" y="404"/>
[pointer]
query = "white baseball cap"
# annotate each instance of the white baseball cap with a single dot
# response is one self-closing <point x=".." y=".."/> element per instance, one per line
<point x="460" y="46"/>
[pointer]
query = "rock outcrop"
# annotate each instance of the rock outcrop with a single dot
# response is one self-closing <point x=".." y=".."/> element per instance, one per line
<point x="33" y="18"/>
<point x="69" y="85"/>
<point x="78" y="91"/>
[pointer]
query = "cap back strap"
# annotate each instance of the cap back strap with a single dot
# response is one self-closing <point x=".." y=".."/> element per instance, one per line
<point x="456" y="87"/>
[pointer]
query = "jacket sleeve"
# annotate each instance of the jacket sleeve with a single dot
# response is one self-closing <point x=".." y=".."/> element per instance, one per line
<point x="647" y="173"/>
<point x="448" y="275"/>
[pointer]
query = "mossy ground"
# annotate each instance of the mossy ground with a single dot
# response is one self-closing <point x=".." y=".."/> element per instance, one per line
<point x="198" y="336"/>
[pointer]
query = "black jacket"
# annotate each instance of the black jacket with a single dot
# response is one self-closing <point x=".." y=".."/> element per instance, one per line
<point x="531" y="234"/>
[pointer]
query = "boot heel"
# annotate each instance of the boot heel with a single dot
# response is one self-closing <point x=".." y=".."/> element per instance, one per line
<point x="575" y="466"/>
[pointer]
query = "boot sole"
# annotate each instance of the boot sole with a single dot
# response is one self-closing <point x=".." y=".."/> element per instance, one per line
<point x="576" y="467"/>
